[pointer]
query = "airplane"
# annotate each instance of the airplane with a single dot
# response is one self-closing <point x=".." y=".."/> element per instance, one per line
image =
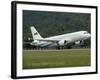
<point x="59" y="40"/>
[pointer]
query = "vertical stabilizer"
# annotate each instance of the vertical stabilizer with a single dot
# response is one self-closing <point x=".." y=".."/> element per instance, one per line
<point x="35" y="33"/>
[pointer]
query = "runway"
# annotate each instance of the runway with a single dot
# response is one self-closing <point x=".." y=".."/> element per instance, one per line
<point x="59" y="49"/>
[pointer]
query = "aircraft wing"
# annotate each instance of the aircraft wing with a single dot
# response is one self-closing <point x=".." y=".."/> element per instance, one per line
<point x="53" y="40"/>
<point x="48" y="40"/>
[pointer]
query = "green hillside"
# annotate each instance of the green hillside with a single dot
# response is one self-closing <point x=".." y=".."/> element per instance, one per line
<point x="54" y="23"/>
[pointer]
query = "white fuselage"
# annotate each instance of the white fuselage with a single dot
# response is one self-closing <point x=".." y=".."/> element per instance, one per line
<point x="61" y="40"/>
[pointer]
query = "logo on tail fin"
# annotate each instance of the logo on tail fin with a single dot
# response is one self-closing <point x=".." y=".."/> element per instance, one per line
<point x="35" y="33"/>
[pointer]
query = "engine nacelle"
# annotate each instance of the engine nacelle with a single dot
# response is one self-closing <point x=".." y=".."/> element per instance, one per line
<point x="62" y="42"/>
<point x="77" y="42"/>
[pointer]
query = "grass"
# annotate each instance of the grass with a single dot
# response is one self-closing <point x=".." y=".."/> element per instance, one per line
<point x="33" y="59"/>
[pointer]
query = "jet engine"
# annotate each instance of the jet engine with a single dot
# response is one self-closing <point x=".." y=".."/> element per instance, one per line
<point x="77" y="42"/>
<point x="62" y="42"/>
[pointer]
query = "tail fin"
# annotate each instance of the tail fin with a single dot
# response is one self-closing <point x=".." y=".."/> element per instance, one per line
<point x="35" y="34"/>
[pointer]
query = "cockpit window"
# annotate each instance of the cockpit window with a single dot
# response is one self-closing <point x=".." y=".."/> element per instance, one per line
<point x="85" y="32"/>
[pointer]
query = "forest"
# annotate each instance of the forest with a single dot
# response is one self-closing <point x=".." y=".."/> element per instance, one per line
<point x="50" y="23"/>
